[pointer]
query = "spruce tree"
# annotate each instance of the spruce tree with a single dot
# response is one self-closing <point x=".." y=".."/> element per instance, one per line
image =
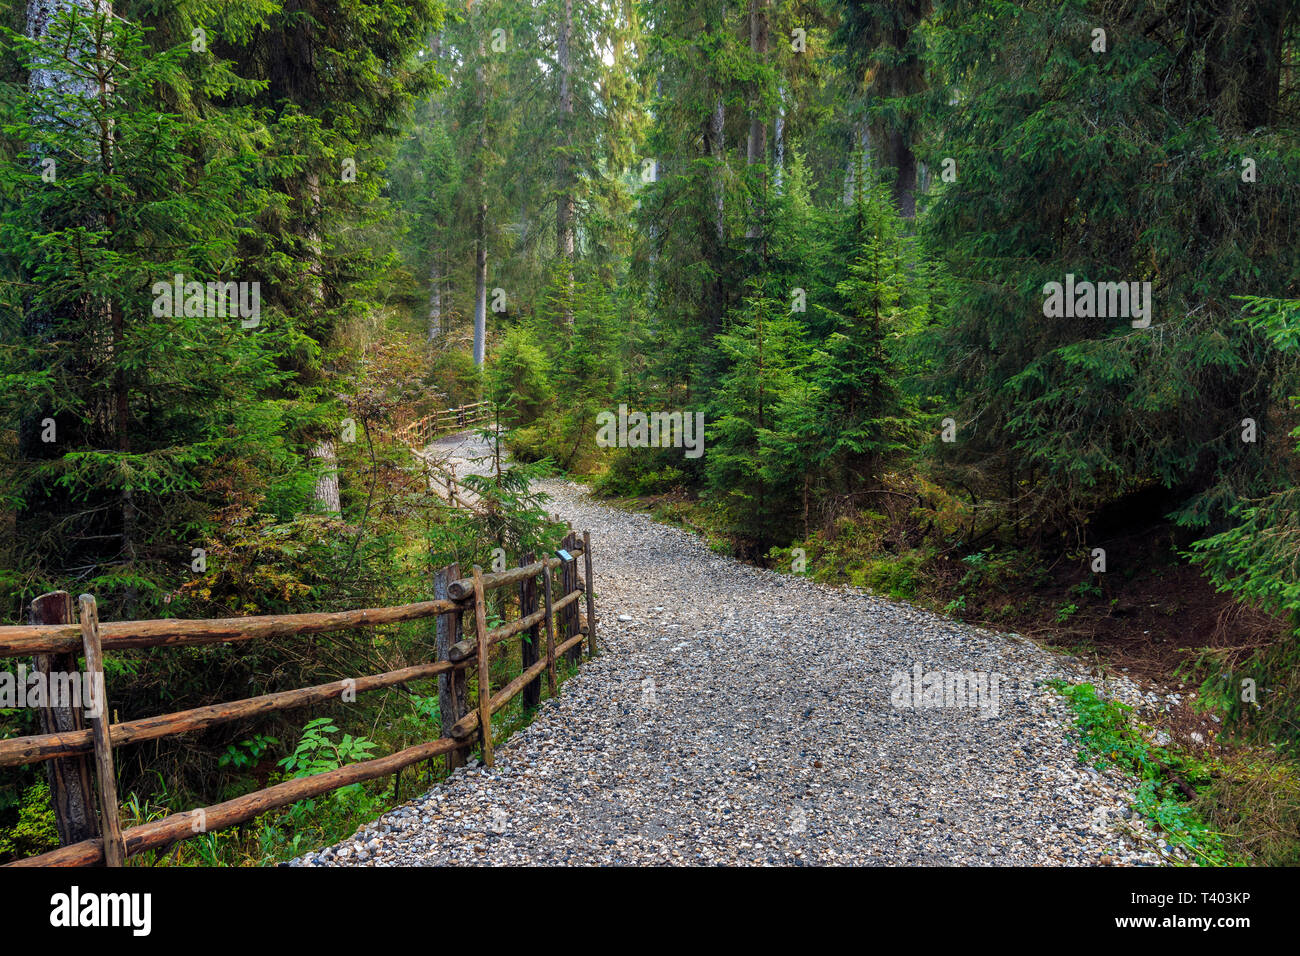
<point x="128" y="405"/>
<point x="763" y="351"/>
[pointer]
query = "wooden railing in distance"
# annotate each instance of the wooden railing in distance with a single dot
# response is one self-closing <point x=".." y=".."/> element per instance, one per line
<point x="420" y="432"/>
<point x="77" y="744"/>
<point x="442" y="481"/>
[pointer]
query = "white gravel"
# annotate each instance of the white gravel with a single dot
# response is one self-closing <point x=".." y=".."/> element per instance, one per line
<point x="741" y="716"/>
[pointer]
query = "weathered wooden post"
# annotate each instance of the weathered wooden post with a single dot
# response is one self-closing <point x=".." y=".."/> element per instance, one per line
<point x="571" y="609"/>
<point x="562" y="583"/>
<point x="551" y="682"/>
<point x="100" y="718"/>
<point x="591" y="595"/>
<point x="484" y="669"/>
<point x="530" y="644"/>
<point x="72" y="794"/>
<point x="452" y="693"/>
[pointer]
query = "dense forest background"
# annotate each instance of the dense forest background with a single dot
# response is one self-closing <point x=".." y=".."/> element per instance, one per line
<point x="826" y="224"/>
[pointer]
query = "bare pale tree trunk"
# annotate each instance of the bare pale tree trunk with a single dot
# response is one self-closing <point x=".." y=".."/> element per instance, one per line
<point x="435" y="329"/>
<point x="326" y="493"/>
<point x="435" y="300"/>
<point x="756" y="151"/>
<point x="564" y="207"/>
<point x="718" y="149"/>
<point x="756" y="148"/>
<point x="652" y="287"/>
<point x="778" y="171"/>
<point x="480" y="219"/>
<point x="858" y="163"/>
<point x="39" y="15"/>
<point x="480" y="284"/>
<point x="713" y="246"/>
<point x="315" y="267"/>
<point x="715" y="147"/>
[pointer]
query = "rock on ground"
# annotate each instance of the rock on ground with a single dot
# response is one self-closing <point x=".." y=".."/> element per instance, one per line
<point x="741" y="716"/>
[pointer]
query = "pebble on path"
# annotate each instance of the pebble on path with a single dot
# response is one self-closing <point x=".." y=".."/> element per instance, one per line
<point x="742" y="716"/>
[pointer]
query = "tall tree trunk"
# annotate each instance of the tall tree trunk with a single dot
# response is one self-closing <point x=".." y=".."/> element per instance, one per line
<point x="564" y="206"/>
<point x="435" y="329"/>
<point x="1242" y="46"/>
<point x="758" y="34"/>
<point x="716" y="146"/>
<point x="652" y="286"/>
<point x="315" y="250"/>
<point x="858" y="163"/>
<point x="435" y="300"/>
<point x="116" y="321"/>
<point x="778" y="170"/>
<point x="903" y="74"/>
<point x="756" y="148"/>
<point x="713" y="234"/>
<point x="480" y="219"/>
<point x="39" y="15"/>
<point x="480" y="284"/>
<point x="326" y="492"/>
<point x="896" y="153"/>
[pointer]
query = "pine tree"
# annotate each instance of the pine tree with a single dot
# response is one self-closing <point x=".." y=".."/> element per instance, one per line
<point x="763" y="349"/>
<point x="1257" y="558"/>
<point x="129" y="403"/>
<point x="1120" y="165"/>
<point x="857" y="408"/>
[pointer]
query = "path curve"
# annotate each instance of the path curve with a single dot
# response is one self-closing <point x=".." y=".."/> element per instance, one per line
<point x="742" y="716"/>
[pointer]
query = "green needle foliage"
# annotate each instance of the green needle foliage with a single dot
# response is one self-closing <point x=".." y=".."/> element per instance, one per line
<point x="125" y="413"/>
<point x="828" y="227"/>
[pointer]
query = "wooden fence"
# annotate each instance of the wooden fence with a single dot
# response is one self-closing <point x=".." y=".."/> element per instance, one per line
<point x="443" y="482"/>
<point x="78" y="748"/>
<point x="441" y="478"/>
<point x="421" y="431"/>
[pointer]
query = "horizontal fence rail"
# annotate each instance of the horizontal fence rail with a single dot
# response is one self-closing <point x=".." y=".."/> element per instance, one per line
<point x="421" y="431"/>
<point x="77" y="743"/>
<point x="440" y="477"/>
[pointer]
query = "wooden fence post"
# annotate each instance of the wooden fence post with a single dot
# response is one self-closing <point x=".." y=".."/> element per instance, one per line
<point x="591" y="596"/>
<point x="484" y="669"/>
<point x="562" y="583"/>
<point x="72" y="794"/>
<point x="528" y="647"/>
<point x="114" y="847"/>
<point x="550" y="631"/>
<point x="571" y="609"/>
<point x="452" y="696"/>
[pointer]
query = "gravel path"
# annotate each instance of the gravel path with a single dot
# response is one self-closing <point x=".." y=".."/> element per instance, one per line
<point x="742" y="716"/>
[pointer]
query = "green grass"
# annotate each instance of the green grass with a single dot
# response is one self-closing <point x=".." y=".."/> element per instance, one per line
<point x="1109" y="737"/>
